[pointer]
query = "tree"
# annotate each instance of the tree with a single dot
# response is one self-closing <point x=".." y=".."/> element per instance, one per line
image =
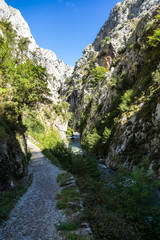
<point x="22" y="85"/>
<point x="23" y="45"/>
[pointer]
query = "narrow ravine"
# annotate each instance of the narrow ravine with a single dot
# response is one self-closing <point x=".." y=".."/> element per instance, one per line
<point x="35" y="216"/>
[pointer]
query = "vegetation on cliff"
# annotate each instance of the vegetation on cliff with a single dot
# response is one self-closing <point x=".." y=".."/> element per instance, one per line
<point x="127" y="88"/>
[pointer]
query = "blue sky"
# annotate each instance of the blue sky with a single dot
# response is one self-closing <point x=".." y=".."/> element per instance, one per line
<point x="64" y="26"/>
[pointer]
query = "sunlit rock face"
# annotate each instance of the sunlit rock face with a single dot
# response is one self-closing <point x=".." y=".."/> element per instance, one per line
<point x="122" y="13"/>
<point x="56" y="68"/>
<point x="19" y="24"/>
<point x="118" y="29"/>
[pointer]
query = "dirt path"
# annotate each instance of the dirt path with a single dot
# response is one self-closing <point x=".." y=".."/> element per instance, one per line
<point x="35" y="215"/>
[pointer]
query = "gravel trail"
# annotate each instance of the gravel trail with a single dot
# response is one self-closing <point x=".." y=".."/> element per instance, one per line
<point x="35" y="215"/>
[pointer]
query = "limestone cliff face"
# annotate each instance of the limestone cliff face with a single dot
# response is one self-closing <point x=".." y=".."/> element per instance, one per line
<point x="114" y="36"/>
<point x="19" y="24"/>
<point x="119" y="24"/>
<point x="58" y="70"/>
<point x="122" y="108"/>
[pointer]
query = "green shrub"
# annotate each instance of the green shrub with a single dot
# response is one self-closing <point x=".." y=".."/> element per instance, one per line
<point x="27" y="80"/>
<point x="68" y="226"/>
<point x="98" y="74"/>
<point x="33" y="124"/>
<point x="149" y="26"/>
<point x="124" y="9"/>
<point x="121" y="50"/>
<point x="91" y="140"/>
<point x="68" y="80"/>
<point x="63" y="154"/>
<point x="69" y="132"/>
<point x="124" y="206"/>
<point x="156" y="76"/>
<point x="126" y="100"/>
<point x="46" y="138"/>
<point x="74" y="163"/>
<point x="104" y="41"/>
<point x="47" y="113"/>
<point x="123" y="82"/>
<point x="154" y="40"/>
<point x="88" y="98"/>
<point x="61" y="109"/>
<point x="8" y="31"/>
<point x="8" y="201"/>
<point x="23" y="44"/>
<point x="112" y="82"/>
<point x="106" y="135"/>
<point x="131" y="46"/>
<point x="80" y="81"/>
<point x="135" y="196"/>
<point x="48" y="153"/>
<point x="68" y="194"/>
<point x="49" y="139"/>
<point x="123" y="201"/>
<point x="131" y="15"/>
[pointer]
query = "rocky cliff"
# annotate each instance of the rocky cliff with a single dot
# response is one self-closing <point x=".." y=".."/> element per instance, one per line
<point x="115" y="88"/>
<point x="56" y="68"/>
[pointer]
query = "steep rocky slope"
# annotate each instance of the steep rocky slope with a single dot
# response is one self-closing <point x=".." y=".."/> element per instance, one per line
<point x="115" y="88"/>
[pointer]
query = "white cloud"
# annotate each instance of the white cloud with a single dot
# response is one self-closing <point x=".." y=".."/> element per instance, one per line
<point x="72" y="5"/>
<point x="69" y="4"/>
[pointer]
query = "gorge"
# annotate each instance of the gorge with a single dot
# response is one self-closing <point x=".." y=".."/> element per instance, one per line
<point x="111" y="97"/>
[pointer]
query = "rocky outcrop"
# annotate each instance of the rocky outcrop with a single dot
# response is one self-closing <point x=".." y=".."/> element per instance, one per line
<point x="122" y="22"/>
<point x="57" y="70"/>
<point x="136" y="139"/>
<point x="13" y="160"/>
<point x="19" y="24"/>
<point x="79" y="71"/>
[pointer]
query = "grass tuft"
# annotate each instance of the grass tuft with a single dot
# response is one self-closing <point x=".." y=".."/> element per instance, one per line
<point x="68" y="194"/>
<point x="8" y="201"/>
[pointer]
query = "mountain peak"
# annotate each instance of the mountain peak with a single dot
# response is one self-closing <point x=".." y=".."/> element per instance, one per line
<point x="3" y="4"/>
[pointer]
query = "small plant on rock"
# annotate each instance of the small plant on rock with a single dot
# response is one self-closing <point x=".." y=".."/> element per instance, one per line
<point x="98" y="74"/>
